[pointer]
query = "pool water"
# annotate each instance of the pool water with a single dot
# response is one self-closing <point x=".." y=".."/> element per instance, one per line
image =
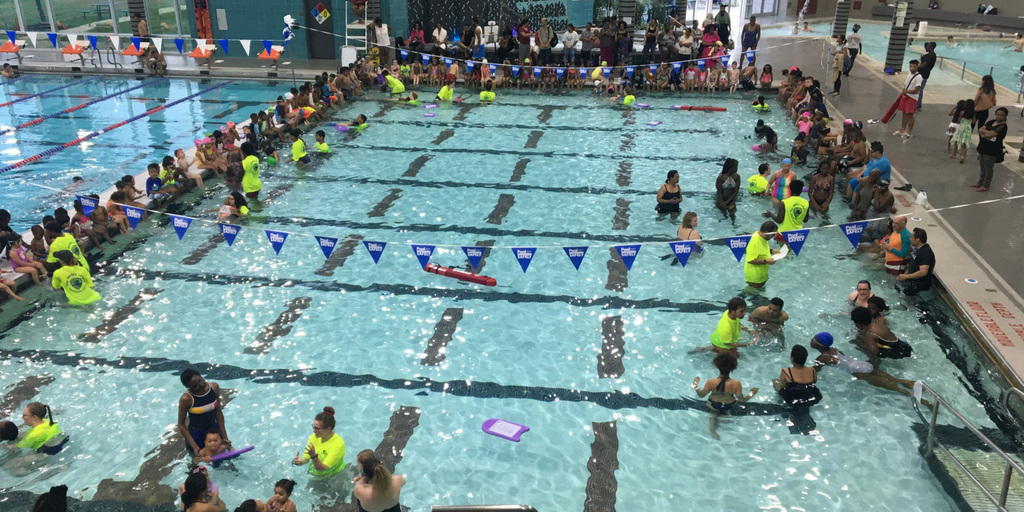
<point x="984" y="58"/>
<point x="526" y="351"/>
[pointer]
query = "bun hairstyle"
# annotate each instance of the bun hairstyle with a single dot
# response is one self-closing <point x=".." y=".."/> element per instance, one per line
<point x="326" y="418"/>
<point x="375" y="472"/>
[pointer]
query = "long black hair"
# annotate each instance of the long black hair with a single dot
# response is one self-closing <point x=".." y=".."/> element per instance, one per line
<point x="730" y="164"/>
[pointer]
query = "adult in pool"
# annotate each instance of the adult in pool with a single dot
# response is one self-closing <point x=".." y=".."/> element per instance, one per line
<point x="199" y="409"/>
<point x="43" y="437"/>
<point x="74" y="279"/>
<point x="198" y="494"/>
<point x="875" y="338"/>
<point x="759" y="255"/>
<point x="726" y="336"/>
<point x="864" y="370"/>
<point x="251" y="183"/>
<point x="797" y="385"/>
<point x="725" y="392"/>
<point x="669" y="195"/>
<point x="687" y="231"/>
<point x="325" y="450"/>
<point x="792" y="211"/>
<point x="770" y="314"/>
<point x="860" y="296"/>
<point x="377" y="490"/>
<point x="727" y="188"/>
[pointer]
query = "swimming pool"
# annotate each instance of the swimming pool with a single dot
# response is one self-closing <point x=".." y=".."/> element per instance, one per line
<point x="528" y="351"/>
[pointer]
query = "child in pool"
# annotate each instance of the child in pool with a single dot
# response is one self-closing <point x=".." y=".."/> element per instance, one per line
<point x="360" y="121"/>
<point x="412" y="99"/>
<point x="734" y="77"/>
<point x="280" y="501"/>
<point x="321" y="145"/>
<point x="214" y="446"/>
<point x="23" y="261"/>
<point x="235" y="205"/>
<point x="298" y="148"/>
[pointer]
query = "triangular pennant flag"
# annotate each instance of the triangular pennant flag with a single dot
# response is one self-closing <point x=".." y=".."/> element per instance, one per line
<point x="575" y="255"/>
<point x="560" y="72"/>
<point x="524" y="255"/>
<point x="583" y="72"/>
<point x="134" y="215"/>
<point x="200" y="43"/>
<point x="682" y="250"/>
<point x="92" y="42"/>
<point x="277" y="239"/>
<point x="230" y="231"/>
<point x="725" y="60"/>
<point x="32" y="37"/>
<point x="375" y="249"/>
<point x="404" y="53"/>
<point x="88" y="204"/>
<point x="448" y="61"/>
<point x="53" y="38"/>
<point x="470" y="65"/>
<point x="245" y="45"/>
<point x="223" y="45"/>
<point x="158" y="43"/>
<point x="137" y="43"/>
<point x="426" y="58"/>
<point x="700" y="64"/>
<point x="853" y="231"/>
<point x="653" y="68"/>
<point x="267" y="46"/>
<point x="676" y="66"/>
<point x="73" y="39"/>
<point x="536" y="72"/>
<point x="738" y="245"/>
<point x="115" y="41"/>
<point x="423" y="253"/>
<point x="180" y="224"/>
<point x="515" y="70"/>
<point x="493" y="68"/>
<point x="179" y="43"/>
<point x="630" y="70"/>
<point x="326" y="244"/>
<point x="474" y="254"/>
<point x="607" y="71"/>
<point x="10" y="35"/>
<point x="628" y="254"/>
<point x="750" y="55"/>
<point x="796" y="238"/>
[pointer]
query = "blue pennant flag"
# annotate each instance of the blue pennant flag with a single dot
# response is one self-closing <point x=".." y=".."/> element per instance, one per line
<point x="473" y="254"/>
<point x="137" y="43"/>
<point x="796" y="239"/>
<point x="853" y="231"/>
<point x="682" y="250"/>
<point x="134" y="215"/>
<point x="277" y="239"/>
<point x="230" y="231"/>
<point x="515" y="70"/>
<point x="180" y="45"/>
<point x="750" y="55"/>
<point x="725" y="60"/>
<point x="493" y="68"/>
<point x="630" y="70"/>
<point x="676" y="66"/>
<point x="404" y="53"/>
<point x="524" y="255"/>
<point x="423" y="253"/>
<point x="375" y="249"/>
<point x="92" y="42"/>
<point x="267" y="46"/>
<point x="536" y="72"/>
<point x="653" y="68"/>
<point x="10" y="35"/>
<point x="426" y="59"/>
<point x="53" y="39"/>
<point x="628" y="254"/>
<point x="575" y="255"/>
<point x="326" y="244"/>
<point x="700" y="64"/>
<point x="738" y="245"/>
<point x="607" y="71"/>
<point x="560" y="72"/>
<point x="180" y="224"/>
<point x="470" y="65"/>
<point x="223" y="45"/>
<point x="448" y="61"/>
<point x="88" y="204"/>
<point x="583" y="72"/>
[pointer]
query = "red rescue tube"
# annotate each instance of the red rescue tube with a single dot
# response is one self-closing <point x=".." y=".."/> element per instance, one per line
<point x="434" y="268"/>
<point x="702" y="109"/>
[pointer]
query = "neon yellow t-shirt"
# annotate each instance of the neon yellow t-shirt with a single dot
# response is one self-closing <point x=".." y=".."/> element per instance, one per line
<point x="77" y="285"/>
<point x="167" y="175"/>
<point x="487" y="95"/>
<point x="757" y="184"/>
<point x="596" y="73"/>
<point x="360" y="127"/>
<point x="322" y="147"/>
<point x="298" y="149"/>
<point x="397" y="87"/>
<point x="629" y="99"/>
<point x="331" y="453"/>
<point x="40" y="433"/>
<point x="757" y="249"/>
<point x="727" y="332"/>
<point x="66" y="242"/>
<point x="796" y="212"/>
<point x="413" y="102"/>
<point x="446" y="93"/>
<point x="251" y="179"/>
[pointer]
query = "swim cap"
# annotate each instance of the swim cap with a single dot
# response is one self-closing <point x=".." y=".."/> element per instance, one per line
<point x="805" y="114"/>
<point x="858" y="125"/>
<point x="786" y="161"/>
<point x="848" y="121"/>
<point x="527" y="61"/>
<point x="223" y="129"/>
<point x="289" y="95"/>
<point x="483" y="61"/>
<point x="207" y="140"/>
<point x="231" y="124"/>
<point x="824" y="339"/>
<point x="199" y="142"/>
<point x="604" y="63"/>
<point x="794" y="68"/>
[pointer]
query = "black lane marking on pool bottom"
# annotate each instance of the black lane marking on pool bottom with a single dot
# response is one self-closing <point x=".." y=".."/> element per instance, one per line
<point x="416" y="165"/>
<point x="461" y="115"/>
<point x="545" y="113"/>
<point x="236" y="106"/>
<point x="629" y="118"/>
<point x="618" y="274"/>
<point x="385" y="204"/>
<point x="531" y="143"/>
<point x="403" y="422"/>
<point x="620" y="221"/>
<point x="443" y="136"/>
<point x="505" y="202"/>
<point x="625" y="175"/>
<point x="460" y="294"/>
<point x="280" y="327"/>
<point x="443" y="331"/>
<point x="483" y="259"/>
<point x="342" y="251"/>
<point x="24" y="390"/>
<point x="627" y="142"/>
<point x="603" y="461"/>
<point x="122" y="313"/>
<point x="384" y="109"/>
<point x="694" y="159"/>
<point x="520" y="170"/>
<point x="609" y="360"/>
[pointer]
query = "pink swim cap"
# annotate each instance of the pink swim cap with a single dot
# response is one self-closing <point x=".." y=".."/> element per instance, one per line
<point x="199" y="142"/>
<point x="231" y="124"/>
<point x="223" y="129"/>
<point x="207" y="140"/>
<point x="805" y="114"/>
<point x="848" y="121"/>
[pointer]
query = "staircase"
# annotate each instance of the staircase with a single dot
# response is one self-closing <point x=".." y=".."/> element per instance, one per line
<point x="627" y="10"/>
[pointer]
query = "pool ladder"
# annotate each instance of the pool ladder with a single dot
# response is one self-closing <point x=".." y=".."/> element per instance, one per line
<point x="928" y="450"/>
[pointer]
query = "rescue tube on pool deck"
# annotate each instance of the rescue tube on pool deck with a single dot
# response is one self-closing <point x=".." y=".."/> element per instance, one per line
<point x="698" y="109"/>
<point x="434" y="268"/>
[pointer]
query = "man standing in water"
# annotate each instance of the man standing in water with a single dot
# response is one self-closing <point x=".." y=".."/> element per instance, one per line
<point x="199" y="409"/>
<point x="759" y="255"/>
<point x="1017" y="44"/>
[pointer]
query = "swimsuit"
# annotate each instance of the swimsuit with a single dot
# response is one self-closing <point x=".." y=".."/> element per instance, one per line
<point x="721" y="407"/>
<point x="795" y="393"/>
<point x="669" y="207"/>
<point x="780" y="191"/>
<point x="396" y="508"/>
<point x="202" y="416"/>
<point x="696" y="248"/>
<point x="749" y="37"/>
<point x="851" y="365"/>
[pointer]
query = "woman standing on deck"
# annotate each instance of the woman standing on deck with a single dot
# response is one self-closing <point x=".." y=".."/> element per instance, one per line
<point x="984" y="99"/>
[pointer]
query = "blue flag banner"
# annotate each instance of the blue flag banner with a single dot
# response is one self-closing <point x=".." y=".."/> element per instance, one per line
<point x="53" y="39"/>
<point x="267" y="46"/>
<point x="700" y="64"/>
<point x="750" y="55"/>
<point x="88" y="204"/>
<point x="224" y="45"/>
<point x="423" y="253"/>
<point x="470" y="65"/>
<point x="560" y="72"/>
<point x="853" y="231"/>
<point x="607" y="71"/>
<point x="796" y="239"/>
<point x="134" y="215"/>
<point x="575" y="255"/>
<point x="515" y="70"/>
<point x="473" y="254"/>
<point x="404" y="53"/>
<point x="448" y="61"/>
<point x="536" y="72"/>
<point x="524" y="255"/>
<point x="375" y="249"/>
<point x="92" y="41"/>
<point x="682" y="250"/>
<point x="653" y="68"/>
<point x="628" y="254"/>
<point x="426" y="58"/>
<point x="583" y="72"/>
<point x="676" y="66"/>
<point x="493" y="68"/>
<point x="180" y="45"/>
<point x="725" y="60"/>
<point x="180" y="224"/>
<point x="137" y="43"/>
<point x="10" y="35"/>
<point x="230" y="231"/>
<point x="738" y="245"/>
<point x="326" y="244"/>
<point x="277" y="239"/>
<point x="630" y="70"/>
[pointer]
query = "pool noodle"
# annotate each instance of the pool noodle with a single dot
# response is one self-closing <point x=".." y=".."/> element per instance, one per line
<point x="341" y="127"/>
<point x="232" y="453"/>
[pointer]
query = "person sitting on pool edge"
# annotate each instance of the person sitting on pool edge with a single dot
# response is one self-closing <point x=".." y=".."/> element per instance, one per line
<point x="75" y="280"/>
<point x="725" y="392"/>
<point x="199" y="409"/>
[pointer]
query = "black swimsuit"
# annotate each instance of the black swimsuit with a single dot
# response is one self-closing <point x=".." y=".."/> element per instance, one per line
<point x="396" y="508"/>
<point x="721" y="406"/>
<point x="669" y="207"/>
<point x="795" y="393"/>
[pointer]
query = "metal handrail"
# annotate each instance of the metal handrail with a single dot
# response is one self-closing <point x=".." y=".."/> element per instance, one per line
<point x="482" y="508"/>
<point x="1004" y="400"/>
<point x="932" y="442"/>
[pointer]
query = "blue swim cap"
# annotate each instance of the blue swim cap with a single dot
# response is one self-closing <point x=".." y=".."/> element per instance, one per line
<point x="824" y="338"/>
<point x="786" y="161"/>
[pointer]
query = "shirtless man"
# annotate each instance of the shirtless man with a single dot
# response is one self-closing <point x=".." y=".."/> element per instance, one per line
<point x="1018" y="43"/>
<point x="770" y="318"/>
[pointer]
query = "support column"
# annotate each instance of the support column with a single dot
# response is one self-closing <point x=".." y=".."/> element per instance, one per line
<point x="902" y="20"/>
<point x="842" y="17"/>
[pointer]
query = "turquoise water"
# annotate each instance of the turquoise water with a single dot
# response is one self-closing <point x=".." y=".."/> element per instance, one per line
<point x="984" y="58"/>
<point x="526" y="350"/>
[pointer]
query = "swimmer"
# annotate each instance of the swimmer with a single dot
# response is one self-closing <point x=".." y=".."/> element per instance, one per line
<point x="628" y="99"/>
<point x="43" y="437"/>
<point x="950" y="43"/>
<point x="8" y="432"/>
<point x="321" y="145"/>
<point x="757" y="184"/>
<point x="862" y="370"/>
<point x="272" y="156"/>
<point x="234" y="205"/>
<point x="797" y="385"/>
<point x="1018" y="43"/>
<point x="446" y="92"/>
<point x="199" y="409"/>
<point x="298" y="148"/>
<point x="281" y="500"/>
<point x="780" y="181"/>
<point x="875" y="338"/>
<point x="725" y="392"/>
<point x="859" y="297"/>
<point x="487" y="95"/>
<point x="760" y="106"/>
<point x="413" y="99"/>
<point x="214" y="446"/>
<point x="770" y="314"/>
<point x="199" y="494"/>
<point x="725" y="338"/>
<point x="396" y="85"/>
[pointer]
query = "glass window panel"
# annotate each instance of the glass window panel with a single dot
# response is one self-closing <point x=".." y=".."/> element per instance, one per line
<point x="92" y="16"/>
<point x="161" y="17"/>
<point x="8" y="16"/>
<point x="34" y="12"/>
